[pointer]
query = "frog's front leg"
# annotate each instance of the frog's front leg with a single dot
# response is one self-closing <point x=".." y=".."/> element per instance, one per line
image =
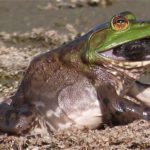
<point x="126" y="111"/>
<point x="15" y="120"/>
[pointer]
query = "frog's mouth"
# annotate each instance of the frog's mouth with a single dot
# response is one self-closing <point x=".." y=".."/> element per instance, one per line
<point x="134" y="51"/>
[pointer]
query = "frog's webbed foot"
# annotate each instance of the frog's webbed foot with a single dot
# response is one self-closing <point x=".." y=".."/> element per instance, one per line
<point x="15" y="120"/>
<point x="127" y="111"/>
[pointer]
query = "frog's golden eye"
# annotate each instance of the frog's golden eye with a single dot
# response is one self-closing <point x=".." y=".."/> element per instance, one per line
<point x="119" y="23"/>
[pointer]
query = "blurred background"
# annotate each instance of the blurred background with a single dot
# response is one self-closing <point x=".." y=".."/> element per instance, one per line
<point x="24" y="15"/>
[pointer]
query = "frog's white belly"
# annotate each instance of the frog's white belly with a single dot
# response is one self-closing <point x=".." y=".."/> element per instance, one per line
<point x="81" y="104"/>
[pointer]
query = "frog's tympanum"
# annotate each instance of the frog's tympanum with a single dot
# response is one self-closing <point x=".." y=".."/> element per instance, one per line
<point x="89" y="82"/>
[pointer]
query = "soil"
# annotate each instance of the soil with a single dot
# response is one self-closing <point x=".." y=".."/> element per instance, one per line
<point x="28" y="28"/>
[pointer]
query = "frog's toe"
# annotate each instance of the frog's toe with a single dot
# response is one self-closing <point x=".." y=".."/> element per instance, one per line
<point x="15" y="120"/>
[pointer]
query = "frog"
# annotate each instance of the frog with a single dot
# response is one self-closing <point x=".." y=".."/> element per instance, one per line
<point x="89" y="82"/>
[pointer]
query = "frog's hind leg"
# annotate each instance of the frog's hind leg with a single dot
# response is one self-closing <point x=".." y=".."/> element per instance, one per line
<point x="15" y="120"/>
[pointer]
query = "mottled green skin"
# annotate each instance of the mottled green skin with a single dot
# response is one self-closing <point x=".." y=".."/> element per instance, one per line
<point x="72" y="86"/>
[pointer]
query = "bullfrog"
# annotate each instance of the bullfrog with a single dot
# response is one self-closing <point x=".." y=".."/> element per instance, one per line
<point x="86" y="83"/>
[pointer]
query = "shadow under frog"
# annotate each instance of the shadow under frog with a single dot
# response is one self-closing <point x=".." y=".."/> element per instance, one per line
<point x="85" y="83"/>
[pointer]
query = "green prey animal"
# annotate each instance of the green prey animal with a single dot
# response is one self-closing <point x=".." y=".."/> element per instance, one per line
<point x="88" y="82"/>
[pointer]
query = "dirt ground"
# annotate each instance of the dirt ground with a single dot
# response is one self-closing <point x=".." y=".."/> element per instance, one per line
<point x="30" y="27"/>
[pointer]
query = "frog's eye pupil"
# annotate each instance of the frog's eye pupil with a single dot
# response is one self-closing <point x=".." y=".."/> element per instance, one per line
<point x="119" y="23"/>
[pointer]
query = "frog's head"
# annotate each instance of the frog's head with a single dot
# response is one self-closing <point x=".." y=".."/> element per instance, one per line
<point x="123" y="43"/>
